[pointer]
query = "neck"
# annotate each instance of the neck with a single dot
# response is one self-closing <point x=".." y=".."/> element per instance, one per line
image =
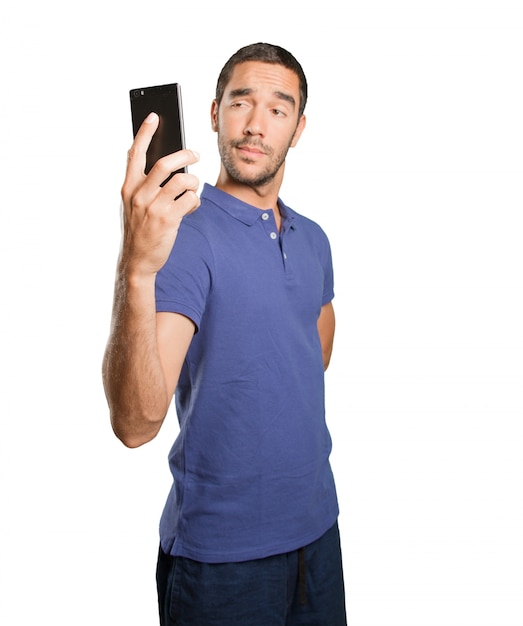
<point x="263" y="197"/>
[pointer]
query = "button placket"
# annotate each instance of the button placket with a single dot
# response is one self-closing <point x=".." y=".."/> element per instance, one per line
<point x="270" y="225"/>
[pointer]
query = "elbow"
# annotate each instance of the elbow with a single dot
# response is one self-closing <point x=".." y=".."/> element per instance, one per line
<point x="131" y="441"/>
<point x="134" y="436"/>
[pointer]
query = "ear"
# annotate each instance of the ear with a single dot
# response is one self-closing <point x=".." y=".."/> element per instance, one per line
<point x="299" y="129"/>
<point x="214" y="116"/>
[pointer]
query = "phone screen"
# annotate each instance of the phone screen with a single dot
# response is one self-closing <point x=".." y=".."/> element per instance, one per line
<point x="166" y="101"/>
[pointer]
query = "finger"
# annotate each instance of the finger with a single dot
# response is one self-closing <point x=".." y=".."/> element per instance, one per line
<point x="137" y="153"/>
<point x="178" y="185"/>
<point x="154" y="198"/>
<point x="164" y="167"/>
<point x="187" y="202"/>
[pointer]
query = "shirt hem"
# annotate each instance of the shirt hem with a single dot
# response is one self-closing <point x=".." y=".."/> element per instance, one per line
<point x="205" y="556"/>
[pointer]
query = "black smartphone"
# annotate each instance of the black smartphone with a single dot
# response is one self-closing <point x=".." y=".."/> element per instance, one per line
<point x="166" y="101"/>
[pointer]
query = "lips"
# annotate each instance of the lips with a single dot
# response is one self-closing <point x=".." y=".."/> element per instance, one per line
<point x="250" y="151"/>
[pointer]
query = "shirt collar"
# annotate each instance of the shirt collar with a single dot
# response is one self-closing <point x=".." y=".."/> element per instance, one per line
<point x="242" y="211"/>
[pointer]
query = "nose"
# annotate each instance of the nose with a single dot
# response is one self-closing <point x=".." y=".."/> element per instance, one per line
<point x="254" y="126"/>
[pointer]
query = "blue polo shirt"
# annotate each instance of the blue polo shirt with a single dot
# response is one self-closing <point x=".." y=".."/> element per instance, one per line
<point x="251" y="462"/>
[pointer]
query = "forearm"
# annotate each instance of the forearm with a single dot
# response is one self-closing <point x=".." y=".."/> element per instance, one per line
<point x="133" y="378"/>
<point x="326" y="327"/>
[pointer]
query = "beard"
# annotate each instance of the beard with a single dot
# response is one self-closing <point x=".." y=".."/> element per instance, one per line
<point x="258" y="179"/>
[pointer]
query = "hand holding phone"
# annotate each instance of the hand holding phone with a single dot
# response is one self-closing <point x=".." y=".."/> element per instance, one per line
<point x="152" y="209"/>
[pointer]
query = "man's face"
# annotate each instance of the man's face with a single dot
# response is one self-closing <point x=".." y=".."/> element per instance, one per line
<point x="257" y="121"/>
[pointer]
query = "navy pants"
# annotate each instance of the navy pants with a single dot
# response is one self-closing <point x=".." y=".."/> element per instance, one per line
<point x="299" y="588"/>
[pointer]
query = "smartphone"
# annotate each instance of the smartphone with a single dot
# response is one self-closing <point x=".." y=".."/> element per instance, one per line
<point x="166" y="101"/>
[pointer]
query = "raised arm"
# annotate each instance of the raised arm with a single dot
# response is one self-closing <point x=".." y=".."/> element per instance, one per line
<point x="139" y="371"/>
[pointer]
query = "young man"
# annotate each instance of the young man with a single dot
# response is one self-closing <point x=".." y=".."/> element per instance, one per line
<point x="228" y="309"/>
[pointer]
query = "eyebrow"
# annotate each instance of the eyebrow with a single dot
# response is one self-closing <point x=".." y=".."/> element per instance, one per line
<point x="246" y="91"/>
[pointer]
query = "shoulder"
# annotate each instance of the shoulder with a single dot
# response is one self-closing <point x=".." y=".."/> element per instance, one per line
<point x="306" y="225"/>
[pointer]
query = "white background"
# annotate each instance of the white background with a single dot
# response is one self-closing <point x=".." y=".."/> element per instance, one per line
<point x="412" y="162"/>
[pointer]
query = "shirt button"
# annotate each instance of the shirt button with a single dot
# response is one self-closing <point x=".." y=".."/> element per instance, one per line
<point x="265" y="216"/>
<point x="274" y="235"/>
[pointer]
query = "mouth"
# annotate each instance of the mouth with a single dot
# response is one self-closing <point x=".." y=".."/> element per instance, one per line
<point x="250" y="151"/>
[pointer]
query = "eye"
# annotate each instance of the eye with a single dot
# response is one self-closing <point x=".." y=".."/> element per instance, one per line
<point x="278" y="113"/>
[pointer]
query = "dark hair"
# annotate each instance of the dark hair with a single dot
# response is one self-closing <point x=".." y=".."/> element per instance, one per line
<point x="266" y="53"/>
